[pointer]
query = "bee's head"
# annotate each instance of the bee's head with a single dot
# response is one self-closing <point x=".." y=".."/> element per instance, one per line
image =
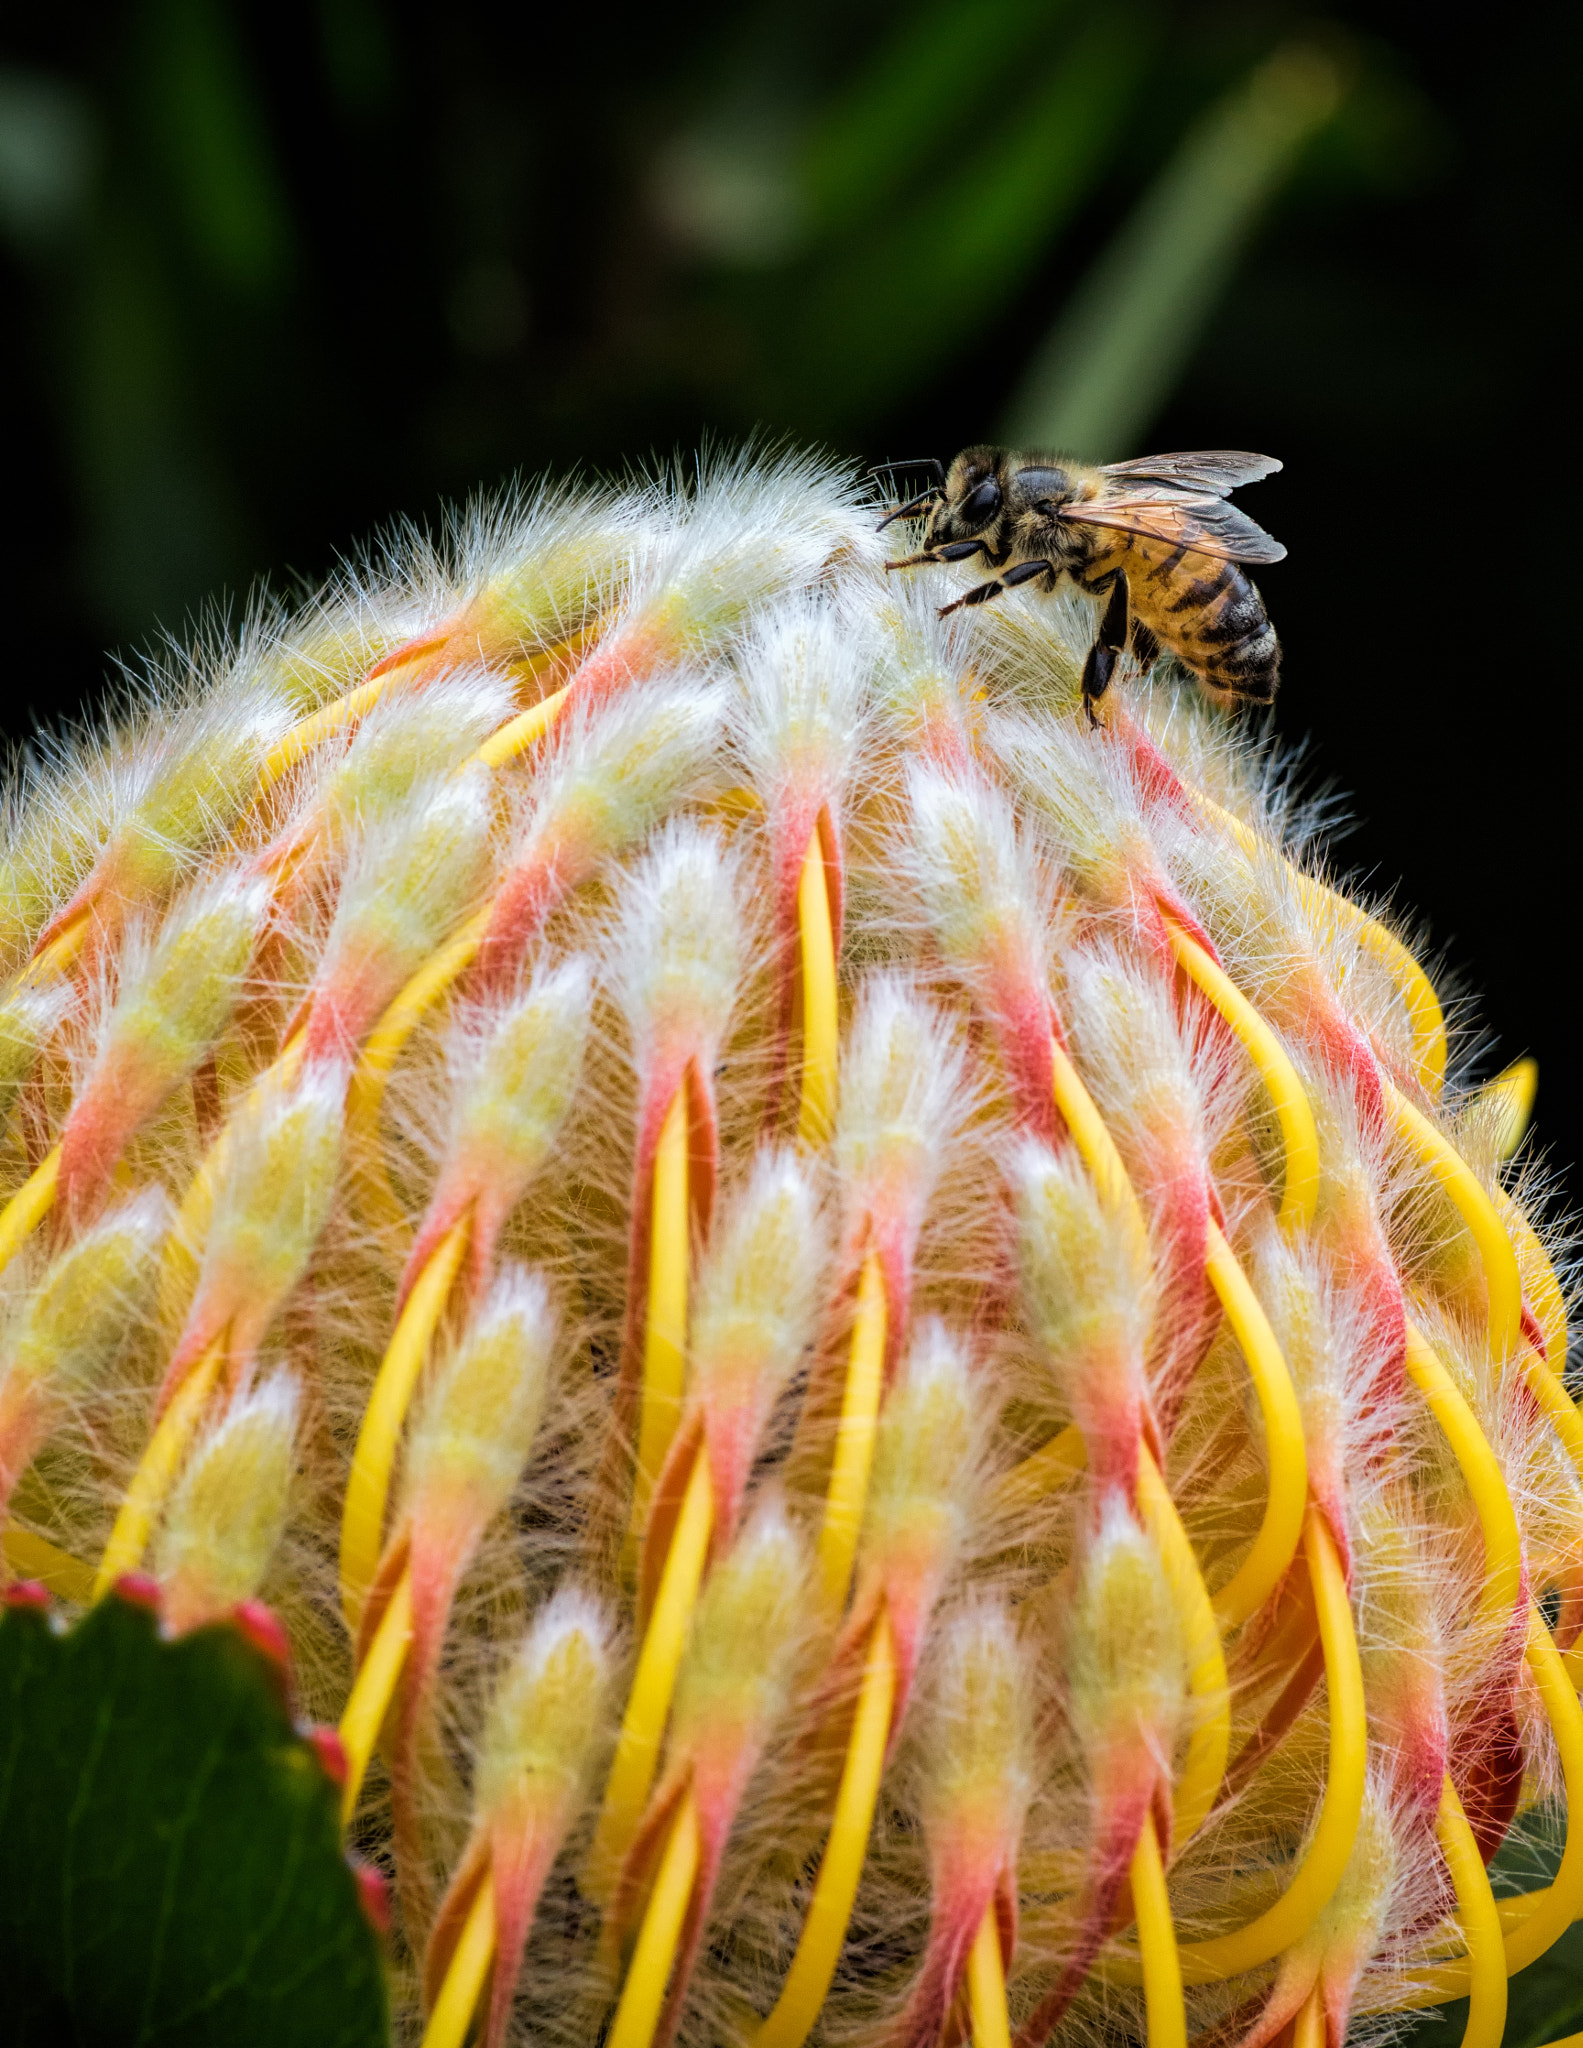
<point x="973" y="497"/>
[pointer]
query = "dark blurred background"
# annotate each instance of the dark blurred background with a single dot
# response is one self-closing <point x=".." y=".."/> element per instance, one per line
<point x="276" y="273"/>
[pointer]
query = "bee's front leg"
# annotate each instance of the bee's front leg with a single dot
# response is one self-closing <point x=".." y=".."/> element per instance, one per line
<point x="1111" y="639"/>
<point x="981" y="593"/>
<point x="955" y="551"/>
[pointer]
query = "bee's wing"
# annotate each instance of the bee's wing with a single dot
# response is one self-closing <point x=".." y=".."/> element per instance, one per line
<point x="1204" y="526"/>
<point x="1217" y="470"/>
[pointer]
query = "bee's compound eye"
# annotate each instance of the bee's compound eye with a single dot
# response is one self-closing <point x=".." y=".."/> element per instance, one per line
<point x="981" y="503"/>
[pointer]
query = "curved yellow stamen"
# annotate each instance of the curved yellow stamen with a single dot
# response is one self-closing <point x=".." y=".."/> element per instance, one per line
<point x="366" y="1095"/>
<point x="299" y="740"/>
<point x="1044" y="1471"/>
<point x="643" y="1994"/>
<point x="665" y="1325"/>
<point x="1094" y="1143"/>
<point x="653" y="1683"/>
<point x="35" y="1557"/>
<point x="1425" y="1019"/>
<point x="1308" y="2029"/>
<point x="28" y="1207"/>
<point x="1162" y="1968"/>
<point x="986" y="1988"/>
<point x="1481" y="1926"/>
<point x="373" y="1689"/>
<point x="1536" y="1920"/>
<point x="518" y="734"/>
<point x="1299" y="1135"/>
<point x="368" y="1485"/>
<point x="1558" y="1406"/>
<point x="156" y="1471"/>
<point x="1281" y="1530"/>
<point x="1511" y="1096"/>
<point x="52" y="961"/>
<point x="1539" y="1280"/>
<point x="467" y="1972"/>
<point x="854" y="1445"/>
<point x="1503" y="1557"/>
<point x="820" y="1016"/>
<point x="1546" y="1914"/>
<point x="1477" y="1211"/>
<point x="1305" y="1898"/>
<point x="829" y="1910"/>
<point x="1204" y="1765"/>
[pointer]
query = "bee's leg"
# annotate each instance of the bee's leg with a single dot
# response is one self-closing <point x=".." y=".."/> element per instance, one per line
<point x="1145" y="644"/>
<point x="981" y="593"/>
<point x="1111" y="639"/>
<point x="955" y="551"/>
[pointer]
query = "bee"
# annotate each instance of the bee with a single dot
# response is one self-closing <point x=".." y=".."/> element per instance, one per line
<point x="1154" y="537"/>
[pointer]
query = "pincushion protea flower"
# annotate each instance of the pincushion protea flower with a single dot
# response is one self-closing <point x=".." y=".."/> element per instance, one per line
<point x="850" y="1324"/>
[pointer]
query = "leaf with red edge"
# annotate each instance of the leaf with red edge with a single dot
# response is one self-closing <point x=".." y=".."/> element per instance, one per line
<point x="171" y="1869"/>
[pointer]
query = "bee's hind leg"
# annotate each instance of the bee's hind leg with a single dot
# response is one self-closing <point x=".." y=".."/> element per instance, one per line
<point x="1108" y="643"/>
<point x="1146" y="649"/>
<point x="981" y="593"/>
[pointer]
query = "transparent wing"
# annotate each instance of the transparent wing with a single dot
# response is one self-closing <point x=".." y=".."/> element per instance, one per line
<point x="1203" y="526"/>
<point x="1216" y="470"/>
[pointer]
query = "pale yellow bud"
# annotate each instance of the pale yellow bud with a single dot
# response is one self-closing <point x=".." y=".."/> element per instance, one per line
<point x="681" y="947"/>
<point x="193" y="787"/>
<point x="618" y="768"/>
<point x="406" y="741"/>
<point x="547" y="1717"/>
<point x="757" y="1301"/>
<point x="926" y="1448"/>
<point x="92" y="1297"/>
<point x="903" y="1102"/>
<point x="1088" y="1293"/>
<point x="228" y="1512"/>
<point x="406" y="886"/>
<point x="978" y="1737"/>
<point x="750" y="1621"/>
<point x="517" y="1083"/>
<point x="987" y="899"/>
<point x="1126" y="1652"/>
<point x="28" y="1017"/>
<point x="475" y="1427"/>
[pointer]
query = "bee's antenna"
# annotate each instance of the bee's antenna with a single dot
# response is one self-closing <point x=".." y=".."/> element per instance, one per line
<point x="912" y="462"/>
<point x="917" y="505"/>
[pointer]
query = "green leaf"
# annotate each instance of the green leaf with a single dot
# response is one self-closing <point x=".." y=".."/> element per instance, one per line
<point x="171" y="1868"/>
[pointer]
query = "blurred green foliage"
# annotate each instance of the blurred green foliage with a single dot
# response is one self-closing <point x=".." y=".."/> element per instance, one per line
<point x="354" y="254"/>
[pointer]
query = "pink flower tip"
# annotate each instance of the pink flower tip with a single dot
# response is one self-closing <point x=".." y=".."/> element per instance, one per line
<point x="373" y="1893"/>
<point x="327" y="1746"/>
<point x="138" y="1589"/>
<point x="261" y="1627"/>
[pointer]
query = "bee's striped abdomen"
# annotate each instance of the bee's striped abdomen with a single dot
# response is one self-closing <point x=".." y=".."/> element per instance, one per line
<point x="1212" y="617"/>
